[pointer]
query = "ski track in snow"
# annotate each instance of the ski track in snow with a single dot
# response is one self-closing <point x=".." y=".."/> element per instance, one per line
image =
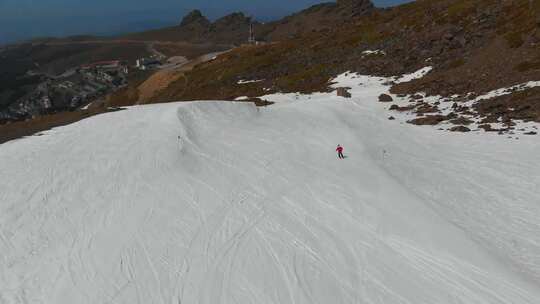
<point x="252" y="206"/>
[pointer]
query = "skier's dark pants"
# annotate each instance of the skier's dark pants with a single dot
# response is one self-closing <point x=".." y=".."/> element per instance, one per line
<point x="340" y="155"/>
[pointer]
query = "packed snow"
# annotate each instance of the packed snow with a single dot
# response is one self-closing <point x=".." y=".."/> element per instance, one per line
<point x="374" y="52"/>
<point x="243" y="81"/>
<point x="241" y="98"/>
<point x="510" y="90"/>
<point x="360" y="85"/>
<point x="223" y="202"/>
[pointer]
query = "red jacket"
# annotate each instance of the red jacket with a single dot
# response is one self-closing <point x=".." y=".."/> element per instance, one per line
<point x="339" y="149"/>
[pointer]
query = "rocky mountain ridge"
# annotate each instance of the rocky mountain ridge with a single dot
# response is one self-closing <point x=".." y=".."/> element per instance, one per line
<point x="234" y="28"/>
<point x="466" y="43"/>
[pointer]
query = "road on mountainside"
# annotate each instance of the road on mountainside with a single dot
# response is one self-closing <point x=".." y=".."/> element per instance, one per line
<point x="172" y="71"/>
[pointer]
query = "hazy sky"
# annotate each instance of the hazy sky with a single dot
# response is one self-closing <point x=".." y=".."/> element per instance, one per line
<point x="22" y="19"/>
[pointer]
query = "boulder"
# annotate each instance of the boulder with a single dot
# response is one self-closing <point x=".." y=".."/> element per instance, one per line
<point x="195" y="17"/>
<point x="460" y="129"/>
<point x="487" y="128"/>
<point x="428" y="120"/>
<point x="461" y="121"/>
<point x="425" y="108"/>
<point x="344" y="92"/>
<point x="406" y="108"/>
<point x="385" y="98"/>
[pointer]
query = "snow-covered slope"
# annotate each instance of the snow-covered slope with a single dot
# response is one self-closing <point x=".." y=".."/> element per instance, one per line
<point x="253" y="206"/>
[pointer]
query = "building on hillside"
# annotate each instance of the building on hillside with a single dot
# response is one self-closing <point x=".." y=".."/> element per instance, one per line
<point x="106" y="66"/>
<point x="147" y="63"/>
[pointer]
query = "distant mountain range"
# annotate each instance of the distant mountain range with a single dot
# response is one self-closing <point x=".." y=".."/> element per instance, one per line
<point x="109" y="24"/>
<point x="234" y="28"/>
<point x="12" y="31"/>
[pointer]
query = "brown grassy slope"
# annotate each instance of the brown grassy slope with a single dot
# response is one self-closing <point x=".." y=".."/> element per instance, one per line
<point x="316" y="18"/>
<point x="189" y="50"/>
<point x="507" y="50"/>
<point x="130" y="95"/>
<point x="524" y="105"/>
<point x="458" y="37"/>
<point x="303" y="64"/>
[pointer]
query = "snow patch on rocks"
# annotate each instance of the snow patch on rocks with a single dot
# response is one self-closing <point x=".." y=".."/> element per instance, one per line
<point x="407" y="108"/>
<point x="509" y="90"/>
<point x="374" y="52"/>
<point x="242" y="81"/>
<point x="241" y="98"/>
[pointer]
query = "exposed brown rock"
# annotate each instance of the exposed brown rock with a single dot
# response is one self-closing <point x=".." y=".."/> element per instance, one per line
<point x="259" y="102"/>
<point x="425" y="108"/>
<point x="428" y="120"/>
<point x="385" y="98"/>
<point x="461" y="121"/>
<point x="195" y="18"/>
<point x="524" y="105"/>
<point x="402" y="109"/>
<point x="343" y="92"/>
<point x="487" y="128"/>
<point x="460" y="129"/>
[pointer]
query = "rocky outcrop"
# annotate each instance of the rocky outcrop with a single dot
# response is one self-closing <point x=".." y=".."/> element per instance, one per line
<point x="385" y="98"/>
<point x="460" y="129"/>
<point x="343" y="92"/>
<point x="231" y="22"/>
<point x="195" y="27"/>
<point x="195" y="18"/>
<point x="428" y="120"/>
<point x="233" y="29"/>
<point x="355" y="7"/>
<point x="318" y="18"/>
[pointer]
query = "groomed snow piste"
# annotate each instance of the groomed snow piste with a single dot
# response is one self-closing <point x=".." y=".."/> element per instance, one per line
<point x="252" y="205"/>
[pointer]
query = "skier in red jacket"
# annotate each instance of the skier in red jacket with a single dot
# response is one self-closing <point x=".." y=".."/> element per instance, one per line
<point x="339" y="150"/>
